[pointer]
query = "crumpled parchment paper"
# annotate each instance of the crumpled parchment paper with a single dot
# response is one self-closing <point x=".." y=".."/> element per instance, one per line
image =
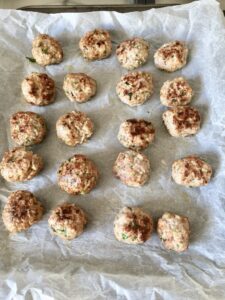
<point x="33" y="264"/>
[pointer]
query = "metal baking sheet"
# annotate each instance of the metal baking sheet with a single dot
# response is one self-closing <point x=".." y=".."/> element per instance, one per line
<point x="35" y="265"/>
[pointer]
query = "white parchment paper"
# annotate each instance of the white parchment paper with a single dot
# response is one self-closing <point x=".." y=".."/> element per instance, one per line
<point x="34" y="265"/>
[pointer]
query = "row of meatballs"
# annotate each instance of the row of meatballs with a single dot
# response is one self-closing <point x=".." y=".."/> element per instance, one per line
<point x="133" y="89"/>
<point x="79" y="174"/>
<point x="97" y="45"/>
<point x="132" y="225"/>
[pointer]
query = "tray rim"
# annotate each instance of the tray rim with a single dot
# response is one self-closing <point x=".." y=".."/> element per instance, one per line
<point x="123" y="8"/>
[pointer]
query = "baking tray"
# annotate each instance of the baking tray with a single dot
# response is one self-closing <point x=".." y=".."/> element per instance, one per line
<point x="53" y="9"/>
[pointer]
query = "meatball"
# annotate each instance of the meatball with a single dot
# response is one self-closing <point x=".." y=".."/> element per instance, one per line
<point x="78" y="175"/>
<point x="132" y="168"/>
<point x="96" y="44"/>
<point x="46" y="50"/>
<point x="171" y="56"/>
<point x="133" y="226"/>
<point x="176" y="92"/>
<point x="27" y="128"/>
<point x="182" y="121"/>
<point x="133" y="53"/>
<point x="74" y="128"/>
<point x="136" y="134"/>
<point x="38" y="89"/>
<point x="21" y="211"/>
<point x="20" y="164"/>
<point x="191" y="171"/>
<point x="67" y="221"/>
<point x="79" y="87"/>
<point x="135" y="88"/>
<point x="174" y="231"/>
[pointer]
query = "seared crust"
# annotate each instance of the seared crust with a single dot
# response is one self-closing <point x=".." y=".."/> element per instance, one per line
<point x="79" y="87"/>
<point x="182" y="121"/>
<point x="20" y="164"/>
<point x="174" y="231"/>
<point x="132" y="168"/>
<point x="74" y="128"/>
<point x="38" y="89"/>
<point x="133" y="226"/>
<point x="67" y="221"/>
<point x="46" y="50"/>
<point x="132" y="53"/>
<point x="136" y="134"/>
<point x="27" y="128"/>
<point x="135" y="88"/>
<point x="21" y="211"/>
<point x="96" y="44"/>
<point x="78" y="175"/>
<point x="171" y="56"/>
<point x="191" y="171"/>
<point x="176" y="92"/>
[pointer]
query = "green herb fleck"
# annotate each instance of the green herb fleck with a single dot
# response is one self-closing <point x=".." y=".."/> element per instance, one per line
<point x="31" y="59"/>
<point x="124" y="236"/>
<point x="44" y="50"/>
<point x="130" y="95"/>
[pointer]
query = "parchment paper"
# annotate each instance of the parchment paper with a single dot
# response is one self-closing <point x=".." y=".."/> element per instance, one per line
<point x="33" y="264"/>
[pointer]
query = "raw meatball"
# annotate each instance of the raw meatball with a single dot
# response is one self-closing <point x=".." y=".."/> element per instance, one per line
<point x="191" y="171"/>
<point x="74" y="128"/>
<point x="171" y="56"/>
<point x="27" y="128"/>
<point x="21" y="211"/>
<point x="133" y="226"/>
<point x="174" y="231"/>
<point x="132" y="168"/>
<point x="132" y="53"/>
<point x="182" y="121"/>
<point x="20" y="164"/>
<point x="176" y="92"/>
<point x="78" y="175"/>
<point x="136" y="134"/>
<point x="96" y="44"/>
<point x="79" y="87"/>
<point x="46" y="50"/>
<point x="135" y="88"/>
<point x="38" y="89"/>
<point x="67" y="221"/>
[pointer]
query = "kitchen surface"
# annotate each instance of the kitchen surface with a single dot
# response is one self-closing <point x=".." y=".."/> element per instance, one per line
<point x="22" y="3"/>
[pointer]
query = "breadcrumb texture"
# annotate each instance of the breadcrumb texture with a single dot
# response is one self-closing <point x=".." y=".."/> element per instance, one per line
<point x="77" y="175"/>
<point x="135" y="88"/>
<point x="176" y="92"/>
<point x="132" y="53"/>
<point x="74" y="128"/>
<point x="46" y="50"/>
<point x="171" y="56"/>
<point x="96" y="45"/>
<point x="79" y="87"/>
<point x="136" y="134"/>
<point x="132" y="168"/>
<point x="21" y="211"/>
<point x="191" y="171"/>
<point x="27" y="128"/>
<point x="67" y="221"/>
<point x="20" y="164"/>
<point x="38" y="89"/>
<point x="133" y="226"/>
<point x="174" y="231"/>
<point x="182" y="121"/>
